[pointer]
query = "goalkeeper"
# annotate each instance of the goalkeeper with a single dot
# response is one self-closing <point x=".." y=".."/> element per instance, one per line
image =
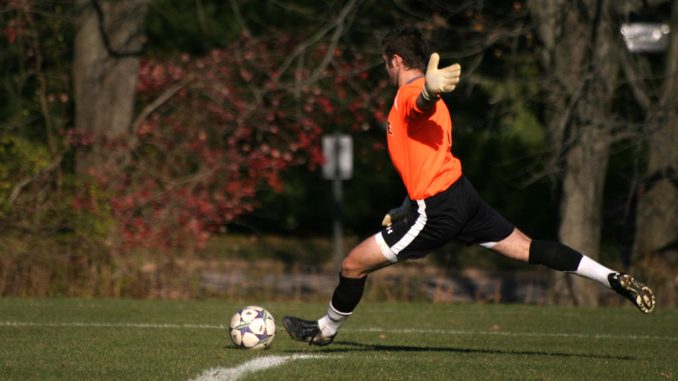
<point x="444" y="205"/>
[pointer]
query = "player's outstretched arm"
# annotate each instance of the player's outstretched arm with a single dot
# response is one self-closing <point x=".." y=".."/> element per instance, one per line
<point x="439" y="81"/>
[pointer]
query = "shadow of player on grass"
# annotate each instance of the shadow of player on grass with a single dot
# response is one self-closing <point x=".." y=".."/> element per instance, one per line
<point x="351" y="346"/>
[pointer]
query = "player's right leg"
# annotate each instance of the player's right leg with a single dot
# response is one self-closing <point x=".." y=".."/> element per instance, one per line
<point x="560" y="257"/>
<point x="362" y="260"/>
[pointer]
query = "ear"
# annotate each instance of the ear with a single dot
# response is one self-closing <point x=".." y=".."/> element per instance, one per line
<point x="396" y="61"/>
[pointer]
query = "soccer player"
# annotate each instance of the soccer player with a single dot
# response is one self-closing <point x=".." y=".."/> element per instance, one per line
<point x="444" y="205"/>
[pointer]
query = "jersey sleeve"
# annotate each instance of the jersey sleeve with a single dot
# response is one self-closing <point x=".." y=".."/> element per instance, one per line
<point x="408" y="99"/>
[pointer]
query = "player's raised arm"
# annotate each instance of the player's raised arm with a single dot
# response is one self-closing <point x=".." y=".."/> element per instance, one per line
<point x="438" y="81"/>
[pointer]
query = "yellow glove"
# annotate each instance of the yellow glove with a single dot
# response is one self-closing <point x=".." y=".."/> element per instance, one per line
<point x="387" y="220"/>
<point x="397" y="214"/>
<point x="440" y="80"/>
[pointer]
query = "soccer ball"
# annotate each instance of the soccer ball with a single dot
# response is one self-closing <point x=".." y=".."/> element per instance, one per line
<point x="253" y="327"/>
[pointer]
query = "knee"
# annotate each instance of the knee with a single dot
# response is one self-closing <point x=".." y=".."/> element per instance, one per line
<point x="363" y="259"/>
<point x="351" y="267"/>
<point x="515" y="246"/>
<point x="356" y="264"/>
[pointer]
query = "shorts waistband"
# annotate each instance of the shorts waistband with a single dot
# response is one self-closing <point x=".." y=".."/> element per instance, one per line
<point x="443" y="194"/>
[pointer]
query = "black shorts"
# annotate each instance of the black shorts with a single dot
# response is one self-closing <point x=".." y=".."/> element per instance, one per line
<point x="456" y="213"/>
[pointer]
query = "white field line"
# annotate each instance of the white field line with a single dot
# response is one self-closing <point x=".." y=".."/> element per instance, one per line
<point x="109" y="325"/>
<point x="254" y="365"/>
<point x="451" y="332"/>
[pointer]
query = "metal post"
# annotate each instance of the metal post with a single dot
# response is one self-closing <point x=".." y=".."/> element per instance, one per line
<point x="338" y="166"/>
<point x="337" y="192"/>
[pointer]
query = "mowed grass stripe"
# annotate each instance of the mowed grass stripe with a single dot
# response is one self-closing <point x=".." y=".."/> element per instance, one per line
<point x="349" y="330"/>
<point x="103" y="339"/>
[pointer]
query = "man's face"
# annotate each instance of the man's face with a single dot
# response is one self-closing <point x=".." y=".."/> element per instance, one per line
<point x="392" y="68"/>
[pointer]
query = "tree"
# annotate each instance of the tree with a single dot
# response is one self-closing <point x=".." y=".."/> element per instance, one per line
<point x="580" y="50"/>
<point x="655" y="246"/>
<point x="214" y="130"/>
<point x="108" y="46"/>
<point x="174" y="152"/>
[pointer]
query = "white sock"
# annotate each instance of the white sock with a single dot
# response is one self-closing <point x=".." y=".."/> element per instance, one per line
<point x="330" y="323"/>
<point x="588" y="268"/>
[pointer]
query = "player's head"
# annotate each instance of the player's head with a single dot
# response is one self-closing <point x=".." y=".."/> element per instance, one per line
<point x="409" y="44"/>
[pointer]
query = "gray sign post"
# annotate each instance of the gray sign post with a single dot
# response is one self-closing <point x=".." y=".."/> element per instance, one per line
<point x="338" y="166"/>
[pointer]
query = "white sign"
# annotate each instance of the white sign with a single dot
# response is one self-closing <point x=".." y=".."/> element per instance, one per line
<point x="338" y="152"/>
<point x="646" y="37"/>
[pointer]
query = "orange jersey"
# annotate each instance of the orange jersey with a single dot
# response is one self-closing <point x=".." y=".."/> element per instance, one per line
<point x="420" y="143"/>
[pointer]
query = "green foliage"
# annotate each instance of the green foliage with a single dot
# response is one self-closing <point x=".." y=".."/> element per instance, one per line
<point x="513" y="96"/>
<point x="28" y="173"/>
<point x="526" y="126"/>
<point x="48" y="239"/>
<point x="20" y="160"/>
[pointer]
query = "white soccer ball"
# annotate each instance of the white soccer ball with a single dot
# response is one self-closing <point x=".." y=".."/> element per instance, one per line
<point x="253" y="327"/>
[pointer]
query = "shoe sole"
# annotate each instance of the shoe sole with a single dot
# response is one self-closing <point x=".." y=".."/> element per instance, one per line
<point x="643" y="296"/>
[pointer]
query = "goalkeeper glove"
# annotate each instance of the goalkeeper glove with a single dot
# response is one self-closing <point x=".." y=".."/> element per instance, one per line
<point x="398" y="213"/>
<point x="439" y="80"/>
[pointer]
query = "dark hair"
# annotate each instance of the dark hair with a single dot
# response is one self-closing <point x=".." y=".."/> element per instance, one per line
<point x="408" y="43"/>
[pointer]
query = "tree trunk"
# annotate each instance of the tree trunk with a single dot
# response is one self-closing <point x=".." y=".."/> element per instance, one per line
<point x="581" y="206"/>
<point x="580" y="55"/>
<point x="656" y="240"/>
<point x="105" y="68"/>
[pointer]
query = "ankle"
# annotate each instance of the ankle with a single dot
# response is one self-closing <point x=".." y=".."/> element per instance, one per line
<point x="327" y="326"/>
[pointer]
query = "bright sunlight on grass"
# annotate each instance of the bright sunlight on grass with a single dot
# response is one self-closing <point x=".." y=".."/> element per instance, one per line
<point x="68" y="339"/>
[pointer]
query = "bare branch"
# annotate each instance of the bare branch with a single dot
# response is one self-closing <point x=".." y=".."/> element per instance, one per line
<point x="150" y="108"/>
<point x="338" y="32"/>
<point x="636" y="83"/>
<point x="201" y="15"/>
<point x="159" y="101"/>
<point x="338" y="24"/>
<point x="19" y="186"/>
<point x="42" y="93"/>
<point x="239" y="18"/>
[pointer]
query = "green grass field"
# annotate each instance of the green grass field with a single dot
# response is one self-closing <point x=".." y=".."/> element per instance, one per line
<point x="74" y="339"/>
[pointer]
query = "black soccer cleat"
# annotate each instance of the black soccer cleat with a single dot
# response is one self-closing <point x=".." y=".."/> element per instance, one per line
<point x="639" y="294"/>
<point x="306" y="331"/>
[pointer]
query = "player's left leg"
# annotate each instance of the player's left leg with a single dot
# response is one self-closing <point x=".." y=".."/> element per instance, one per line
<point x="560" y="257"/>
<point x="362" y="260"/>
